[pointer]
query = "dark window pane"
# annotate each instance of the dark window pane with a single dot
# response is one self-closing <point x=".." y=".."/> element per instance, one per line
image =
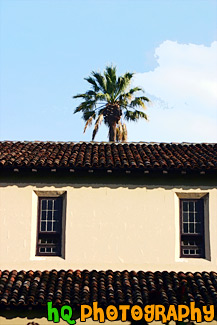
<point x="191" y="217"/>
<point x="54" y="249"/>
<point x="43" y="215"/>
<point x="185" y="228"/>
<point x="199" y="205"/>
<point x="191" y="206"/>
<point x="57" y="204"/>
<point x="186" y="251"/>
<point x="185" y="216"/>
<point x="192" y="251"/>
<point x="42" y="250"/>
<point x="49" y="226"/>
<point x="185" y="206"/>
<point x="198" y="228"/>
<point x="191" y="228"/>
<point x="48" y="250"/>
<point x="56" y="215"/>
<point x="49" y="215"/>
<point x="198" y="217"/>
<point x="44" y="204"/>
<point x="198" y="251"/>
<point x="43" y="226"/>
<point x="50" y="203"/>
<point x="56" y="226"/>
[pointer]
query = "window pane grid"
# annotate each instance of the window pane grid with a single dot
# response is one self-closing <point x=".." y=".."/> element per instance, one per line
<point x="49" y="245"/>
<point x="191" y="247"/>
<point x="192" y="251"/>
<point x="47" y="249"/>
<point x="192" y="232"/>
<point x="46" y="241"/>
<point x="191" y="223"/>
<point x="49" y="226"/>
<point x="49" y="216"/>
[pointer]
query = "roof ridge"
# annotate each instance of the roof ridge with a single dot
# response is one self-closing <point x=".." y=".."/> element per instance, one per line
<point x="108" y="142"/>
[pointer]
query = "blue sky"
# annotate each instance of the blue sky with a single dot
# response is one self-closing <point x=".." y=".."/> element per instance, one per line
<point x="48" y="47"/>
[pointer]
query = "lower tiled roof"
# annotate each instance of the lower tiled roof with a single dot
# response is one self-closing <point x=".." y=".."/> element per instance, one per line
<point x="128" y="156"/>
<point x="36" y="288"/>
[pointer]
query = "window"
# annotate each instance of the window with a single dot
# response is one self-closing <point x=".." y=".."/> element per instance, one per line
<point x="49" y="235"/>
<point x="192" y="228"/>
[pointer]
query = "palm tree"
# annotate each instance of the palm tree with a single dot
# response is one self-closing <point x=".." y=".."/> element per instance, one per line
<point x="110" y="99"/>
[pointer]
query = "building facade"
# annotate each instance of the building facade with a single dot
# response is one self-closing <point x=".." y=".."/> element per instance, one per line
<point x="96" y="206"/>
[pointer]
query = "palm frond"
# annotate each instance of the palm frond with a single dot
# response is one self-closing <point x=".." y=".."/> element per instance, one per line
<point x="139" y="101"/>
<point x="97" y="124"/>
<point x="101" y="81"/>
<point x="123" y="101"/>
<point x="89" y="122"/>
<point x="91" y="93"/>
<point x="101" y="111"/>
<point x="128" y="75"/>
<point x="110" y="86"/>
<point x="135" y="89"/>
<point x="110" y="75"/>
<point x="85" y="106"/>
<point x="103" y="96"/>
<point x="128" y="96"/>
<point x="123" y="82"/>
<point x="145" y="99"/>
<point x="82" y="96"/>
<point x="93" y="83"/>
<point x="134" y="115"/>
<point x="88" y="114"/>
<point x="111" y="72"/>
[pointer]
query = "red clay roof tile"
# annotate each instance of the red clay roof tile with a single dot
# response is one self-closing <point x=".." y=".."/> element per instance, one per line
<point x="135" y="156"/>
<point x="36" y="288"/>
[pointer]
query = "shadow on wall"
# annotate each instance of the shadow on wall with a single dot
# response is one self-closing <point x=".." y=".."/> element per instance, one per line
<point x="114" y="180"/>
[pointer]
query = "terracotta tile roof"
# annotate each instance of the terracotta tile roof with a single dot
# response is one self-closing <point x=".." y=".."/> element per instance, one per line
<point x="32" y="289"/>
<point x="128" y="156"/>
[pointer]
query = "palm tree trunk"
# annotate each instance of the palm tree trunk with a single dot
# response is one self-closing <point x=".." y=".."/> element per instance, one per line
<point x="112" y="131"/>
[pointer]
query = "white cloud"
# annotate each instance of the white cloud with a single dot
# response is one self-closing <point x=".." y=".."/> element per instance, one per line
<point x="183" y="89"/>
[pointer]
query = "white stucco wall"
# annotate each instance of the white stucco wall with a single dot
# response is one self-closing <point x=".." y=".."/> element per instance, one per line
<point x="107" y="226"/>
